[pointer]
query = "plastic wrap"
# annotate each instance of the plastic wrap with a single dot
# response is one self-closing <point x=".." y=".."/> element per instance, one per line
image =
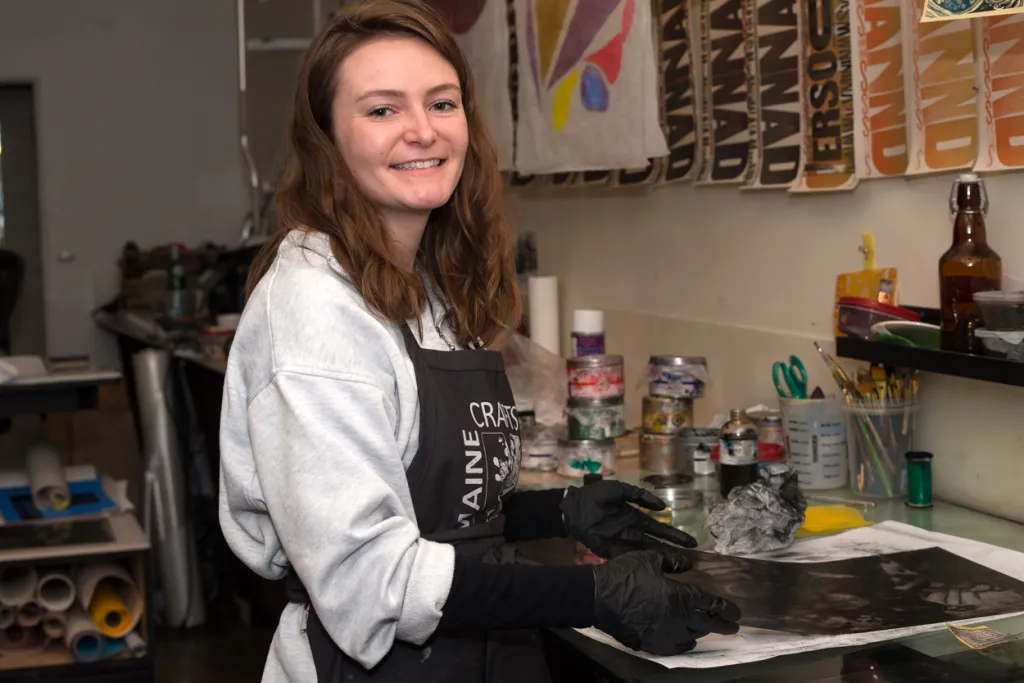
<point x="538" y="377"/>
<point x="761" y="516"/>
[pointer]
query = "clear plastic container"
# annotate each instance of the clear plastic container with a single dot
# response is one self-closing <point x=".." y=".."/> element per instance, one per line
<point x="879" y="438"/>
<point x="1001" y="311"/>
<point x="1002" y="343"/>
<point x="816" y="441"/>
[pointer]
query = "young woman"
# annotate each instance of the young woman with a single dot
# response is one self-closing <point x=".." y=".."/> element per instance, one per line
<point x="369" y="439"/>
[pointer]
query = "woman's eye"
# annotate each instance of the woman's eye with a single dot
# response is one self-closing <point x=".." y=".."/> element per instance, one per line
<point x="446" y="105"/>
<point x="380" y="112"/>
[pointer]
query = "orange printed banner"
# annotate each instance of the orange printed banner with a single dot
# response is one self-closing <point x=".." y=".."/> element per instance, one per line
<point x="879" y="100"/>
<point x="942" y="105"/>
<point x="1000" y="78"/>
<point x="828" y="155"/>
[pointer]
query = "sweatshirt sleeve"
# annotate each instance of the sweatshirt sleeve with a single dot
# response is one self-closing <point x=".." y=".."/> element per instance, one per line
<point x="335" y="489"/>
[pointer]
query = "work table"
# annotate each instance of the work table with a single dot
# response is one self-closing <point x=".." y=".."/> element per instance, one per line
<point x="205" y="379"/>
<point x="909" y="655"/>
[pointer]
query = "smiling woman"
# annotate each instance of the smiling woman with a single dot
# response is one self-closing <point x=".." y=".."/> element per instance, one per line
<point x="374" y="468"/>
<point x="380" y="88"/>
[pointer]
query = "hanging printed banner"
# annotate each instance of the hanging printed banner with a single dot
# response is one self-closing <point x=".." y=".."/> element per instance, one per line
<point x="678" y="96"/>
<point x="482" y="31"/>
<point x="594" y="178"/>
<point x="1000" y="77"/>
<point x="827" y="155"/>
<point x="588" y="86"/>
<point x="944" y="10"/>
<point x="879" y="98"/>
<point x="942" y="105"/>
<point x="777" y="122"/>
<point x="646" y="175"/>
<point x="725" y="28"/>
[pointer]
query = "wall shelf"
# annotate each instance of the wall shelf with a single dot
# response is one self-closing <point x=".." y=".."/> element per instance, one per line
<point x="971" y="366"/>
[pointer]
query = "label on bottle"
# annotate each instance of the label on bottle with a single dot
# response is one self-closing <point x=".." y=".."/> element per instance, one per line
<point x="737" y="451"/>
<point x="587" y="344"/>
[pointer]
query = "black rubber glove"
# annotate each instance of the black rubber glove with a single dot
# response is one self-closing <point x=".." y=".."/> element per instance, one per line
<point x="645" y="610"/>
<point x="599" y="513"/>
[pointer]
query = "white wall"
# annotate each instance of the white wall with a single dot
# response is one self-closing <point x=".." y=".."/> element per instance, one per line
<point x="137" y="132"/>
<point x="747" y="279"/>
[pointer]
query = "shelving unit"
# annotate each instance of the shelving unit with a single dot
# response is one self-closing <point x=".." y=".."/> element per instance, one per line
<point x="126" y="544"/>
<point x="971" y="366"/>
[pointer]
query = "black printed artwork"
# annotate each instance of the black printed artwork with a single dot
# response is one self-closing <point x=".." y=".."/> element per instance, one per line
<point x="857" y="595"/>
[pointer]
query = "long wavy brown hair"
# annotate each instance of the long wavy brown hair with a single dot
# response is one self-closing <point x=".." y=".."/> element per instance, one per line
<point x="466" y="249"/>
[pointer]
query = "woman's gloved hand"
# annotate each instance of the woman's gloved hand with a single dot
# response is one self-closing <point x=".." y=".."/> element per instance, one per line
<point x="599" y="512"/>
<point x="645" y="610"/>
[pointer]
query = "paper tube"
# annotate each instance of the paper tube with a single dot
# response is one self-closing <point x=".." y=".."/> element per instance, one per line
<point x="56" y="591"/>
<point x="82" y="637"/>
<point x="543" y="320"/>
<point x="108" y="593"/>
<point x="109" y="612"/>
<point x="16" y="639"/>
<point x="29" y="615"/>
<point x="6" y="617"/>
<point x="46" y="477"/>
<point x="17" y="585"/>
<point x="54" y="624"/>
<point x="135" y="644"/>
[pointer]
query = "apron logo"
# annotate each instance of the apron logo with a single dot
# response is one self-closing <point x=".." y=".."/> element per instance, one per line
<point x="507" y="467"/>
<point x="493" y="453"/>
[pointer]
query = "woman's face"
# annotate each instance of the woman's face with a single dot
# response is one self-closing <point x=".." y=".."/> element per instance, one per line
<point x="399" y="124"/>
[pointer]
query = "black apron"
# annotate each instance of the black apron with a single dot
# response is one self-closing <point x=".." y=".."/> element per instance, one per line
<point x="466" y="464"/>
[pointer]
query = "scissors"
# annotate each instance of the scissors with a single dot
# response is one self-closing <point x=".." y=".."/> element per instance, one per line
<point x="793" y="380"/>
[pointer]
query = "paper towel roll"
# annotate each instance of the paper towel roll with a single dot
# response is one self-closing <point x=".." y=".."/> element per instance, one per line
<point x="56" y="591"/>
<point x="54" y="624"/>
<point x="46" y="477"/>
<point x="82" y="637"/>
<point x="543" y="296"/>
<point x="17" y="585"/>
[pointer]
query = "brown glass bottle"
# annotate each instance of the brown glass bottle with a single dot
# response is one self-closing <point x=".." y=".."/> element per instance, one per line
<point x="969" y="266"/>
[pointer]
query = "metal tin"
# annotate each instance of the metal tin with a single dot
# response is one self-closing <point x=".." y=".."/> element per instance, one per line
<point x="541" y="455"/>
<point x="664" y="454"/>
<point x="666" y="415"/>
<point x="677" y="376"/>
<point x="676" y="490"/>
<point x="699" y="444"/>
<point x="596" y="418"/>
<point x="596" y="376"/>
<point x="579" y="457"/>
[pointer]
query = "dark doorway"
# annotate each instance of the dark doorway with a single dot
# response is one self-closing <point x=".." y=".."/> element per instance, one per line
<point x="19" y="214"/>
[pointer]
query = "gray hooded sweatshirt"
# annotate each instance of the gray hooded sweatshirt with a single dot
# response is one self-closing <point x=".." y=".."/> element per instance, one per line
<point x="320" y="420"/>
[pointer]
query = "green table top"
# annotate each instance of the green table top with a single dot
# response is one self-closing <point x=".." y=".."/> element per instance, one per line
<point x="916" y="654"/>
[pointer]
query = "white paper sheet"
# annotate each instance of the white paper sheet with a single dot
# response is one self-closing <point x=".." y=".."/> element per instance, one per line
<point x="753" y="645"/>
<point x="481" y="30"/>
<point x="588" y="86"/>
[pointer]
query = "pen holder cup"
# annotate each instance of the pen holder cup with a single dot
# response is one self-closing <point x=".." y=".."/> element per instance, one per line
<point x="879" y="437"/>
<point x="815" y="433"/>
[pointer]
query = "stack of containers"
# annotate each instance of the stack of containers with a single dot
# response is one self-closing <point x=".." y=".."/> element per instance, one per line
<point x="675" y="381"/>
<point x="596" y="414"/>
